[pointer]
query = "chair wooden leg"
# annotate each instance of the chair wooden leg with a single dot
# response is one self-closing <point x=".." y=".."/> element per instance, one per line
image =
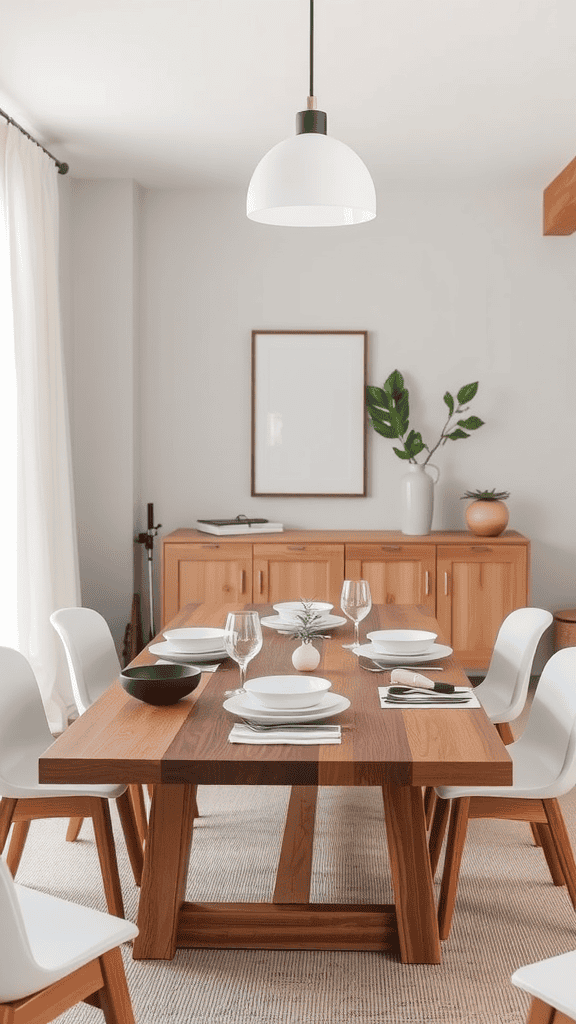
<point x="429" y="804"/>
<point x="541" y="1013"/>
<point x="7" y="808"/>
<point x="506" y="734"/>
<point x="131" y="835"/>
<point x="549" y="851"/>
<point x="561" y="841"/>
<point x="437" y="830"/>
<point x="454" y="850"/>
<point x="16" y="848"/>
<point x="73" y="830"/>
<point x="107" y="855"/>
<point x="137" y="797"/>
<point x="114" y="997"/>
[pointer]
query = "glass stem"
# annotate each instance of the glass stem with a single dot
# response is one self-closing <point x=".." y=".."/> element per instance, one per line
<point x="356" y="635"/>
<point x="242" y="675"/>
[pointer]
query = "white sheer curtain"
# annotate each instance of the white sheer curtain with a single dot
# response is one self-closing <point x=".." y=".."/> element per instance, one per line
<point x="47" y="574"/>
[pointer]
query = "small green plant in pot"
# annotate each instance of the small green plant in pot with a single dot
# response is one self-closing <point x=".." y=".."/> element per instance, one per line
<point x="487" y="515"/>
<point x="389" y="412"/>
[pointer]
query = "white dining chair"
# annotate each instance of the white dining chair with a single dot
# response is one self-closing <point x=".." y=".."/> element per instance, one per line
<point x="93" y="665"/>
<point x="24" y="736"/>
<point x="504" y="690"/>
<point x="54" y="954"/>
<point x="544" y="769"/>
<point x="550" y="983"/>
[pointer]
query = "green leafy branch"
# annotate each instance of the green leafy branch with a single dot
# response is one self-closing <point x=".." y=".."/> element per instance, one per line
<point x="308" y="624"/>
<point x="389" y="411"/>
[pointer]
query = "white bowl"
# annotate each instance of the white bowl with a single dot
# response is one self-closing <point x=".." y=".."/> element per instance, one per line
<point x="402" y="641"/>
<point x="194" y="640"/>
<point x="290" y="610"/>
<point x="288" y="691"/>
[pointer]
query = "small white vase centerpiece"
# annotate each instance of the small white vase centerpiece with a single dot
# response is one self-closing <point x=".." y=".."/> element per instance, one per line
<point x="306" y="657"/>
<point x="389" y="410"/>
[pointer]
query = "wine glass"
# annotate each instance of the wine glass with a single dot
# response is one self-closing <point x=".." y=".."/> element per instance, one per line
<point x="242" y="641"/>
<point x="356" y="602"/>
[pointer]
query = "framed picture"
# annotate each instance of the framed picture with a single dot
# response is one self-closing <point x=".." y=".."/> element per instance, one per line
<point x="308" y="414"/>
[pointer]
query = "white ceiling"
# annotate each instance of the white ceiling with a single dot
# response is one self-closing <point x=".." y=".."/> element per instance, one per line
<point x="194" y="92"/>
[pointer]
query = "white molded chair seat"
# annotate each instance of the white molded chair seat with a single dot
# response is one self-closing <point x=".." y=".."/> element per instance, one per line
<point x="90" y="653"/>
<point x="551" y="981"/>
<point x="93" y="665"/>
<point x="24" y="736"/>
<point x="544" y="768"/>
<point x="44" y="939"/>
<point x="503" y="692"/>
<point x="544" y="758"/>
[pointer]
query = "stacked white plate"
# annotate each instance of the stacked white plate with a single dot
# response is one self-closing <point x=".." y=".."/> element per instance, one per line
<point x="280" y="699"/>
<point x="193" y="645"/>
<point x="435" y="653"/>
<point x="246" y="706"/>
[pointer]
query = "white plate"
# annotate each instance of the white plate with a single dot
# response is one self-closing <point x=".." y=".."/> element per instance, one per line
<point x="249" y="702"/>
<point x="275" y="622"/>
<point x="245" y="707"/>
<point x="436" y="652"/>
<point x="166" y="651"/>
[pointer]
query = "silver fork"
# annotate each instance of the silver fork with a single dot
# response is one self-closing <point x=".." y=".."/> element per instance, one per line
<point x="258" y="727"/>
<point x="409" y="668"/>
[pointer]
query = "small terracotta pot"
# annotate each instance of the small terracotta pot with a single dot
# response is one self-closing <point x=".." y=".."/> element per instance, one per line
<point x="487" y="518"/>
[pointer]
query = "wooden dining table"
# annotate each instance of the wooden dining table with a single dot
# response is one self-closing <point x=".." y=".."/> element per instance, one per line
<point x="176" y="748"/>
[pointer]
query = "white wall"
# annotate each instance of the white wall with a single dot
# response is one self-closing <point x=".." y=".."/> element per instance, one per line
<point x="451" y="287"/>
<point x="100" y="318"/>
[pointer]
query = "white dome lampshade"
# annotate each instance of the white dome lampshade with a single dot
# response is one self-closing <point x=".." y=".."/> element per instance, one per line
<point x="311" y="180"/>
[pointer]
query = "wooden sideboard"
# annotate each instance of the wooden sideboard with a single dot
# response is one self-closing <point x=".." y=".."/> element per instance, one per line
<point x="470" y="583"/>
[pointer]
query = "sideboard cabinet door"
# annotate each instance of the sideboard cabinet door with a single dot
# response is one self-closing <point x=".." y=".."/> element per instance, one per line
<point x="397" y="573"/>
<point x="288" y="572"/>
<point x="206" y="572"/>
<point x="478" y="586"/>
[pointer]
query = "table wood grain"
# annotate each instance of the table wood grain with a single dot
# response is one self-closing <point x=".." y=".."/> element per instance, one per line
<point x="120" y="739"/>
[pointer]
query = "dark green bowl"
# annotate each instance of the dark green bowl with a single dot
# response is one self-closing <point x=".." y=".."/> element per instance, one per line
<point x="160" y="684"/>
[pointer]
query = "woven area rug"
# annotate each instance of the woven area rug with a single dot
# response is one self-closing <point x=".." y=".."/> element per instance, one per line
<point x="508" y="913"/>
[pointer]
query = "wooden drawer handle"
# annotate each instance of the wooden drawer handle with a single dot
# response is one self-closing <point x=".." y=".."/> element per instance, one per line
<point x="445" y="584"/>
<point x="427" y="585"/>
<point x="210" y="545"/>
<point x="260" y="581"/>
<point x="482" y="549"/>
<point x="242" y="580"/>
<point x="390" y="547"/>
<point x="296" y="547"/>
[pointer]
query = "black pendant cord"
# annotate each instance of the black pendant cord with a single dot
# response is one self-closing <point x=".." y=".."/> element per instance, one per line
<point x="62" y="168"/>
<point x="311" y="93"/>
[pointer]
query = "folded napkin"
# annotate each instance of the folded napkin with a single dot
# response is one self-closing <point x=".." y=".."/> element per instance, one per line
<point x="320" y="734"/>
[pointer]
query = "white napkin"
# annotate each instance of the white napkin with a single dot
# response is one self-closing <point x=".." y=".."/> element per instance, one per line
<point x="323" y="734"/>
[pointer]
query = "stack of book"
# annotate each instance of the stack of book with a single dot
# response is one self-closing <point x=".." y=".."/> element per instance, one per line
<point x="241" y="524"/>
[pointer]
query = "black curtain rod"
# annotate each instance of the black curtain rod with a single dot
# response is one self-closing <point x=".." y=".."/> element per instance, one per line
<point x="62" y="168"/>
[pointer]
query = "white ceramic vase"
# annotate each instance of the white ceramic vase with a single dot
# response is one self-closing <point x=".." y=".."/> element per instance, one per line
<point x="417" y="499"/>
<point x="306" y="657"/>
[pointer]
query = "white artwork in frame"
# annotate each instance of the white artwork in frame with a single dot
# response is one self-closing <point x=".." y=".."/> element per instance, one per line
<point x="308" y="413"/>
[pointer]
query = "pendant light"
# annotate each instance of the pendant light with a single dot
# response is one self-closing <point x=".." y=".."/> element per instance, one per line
<point x="311" y="180"/>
